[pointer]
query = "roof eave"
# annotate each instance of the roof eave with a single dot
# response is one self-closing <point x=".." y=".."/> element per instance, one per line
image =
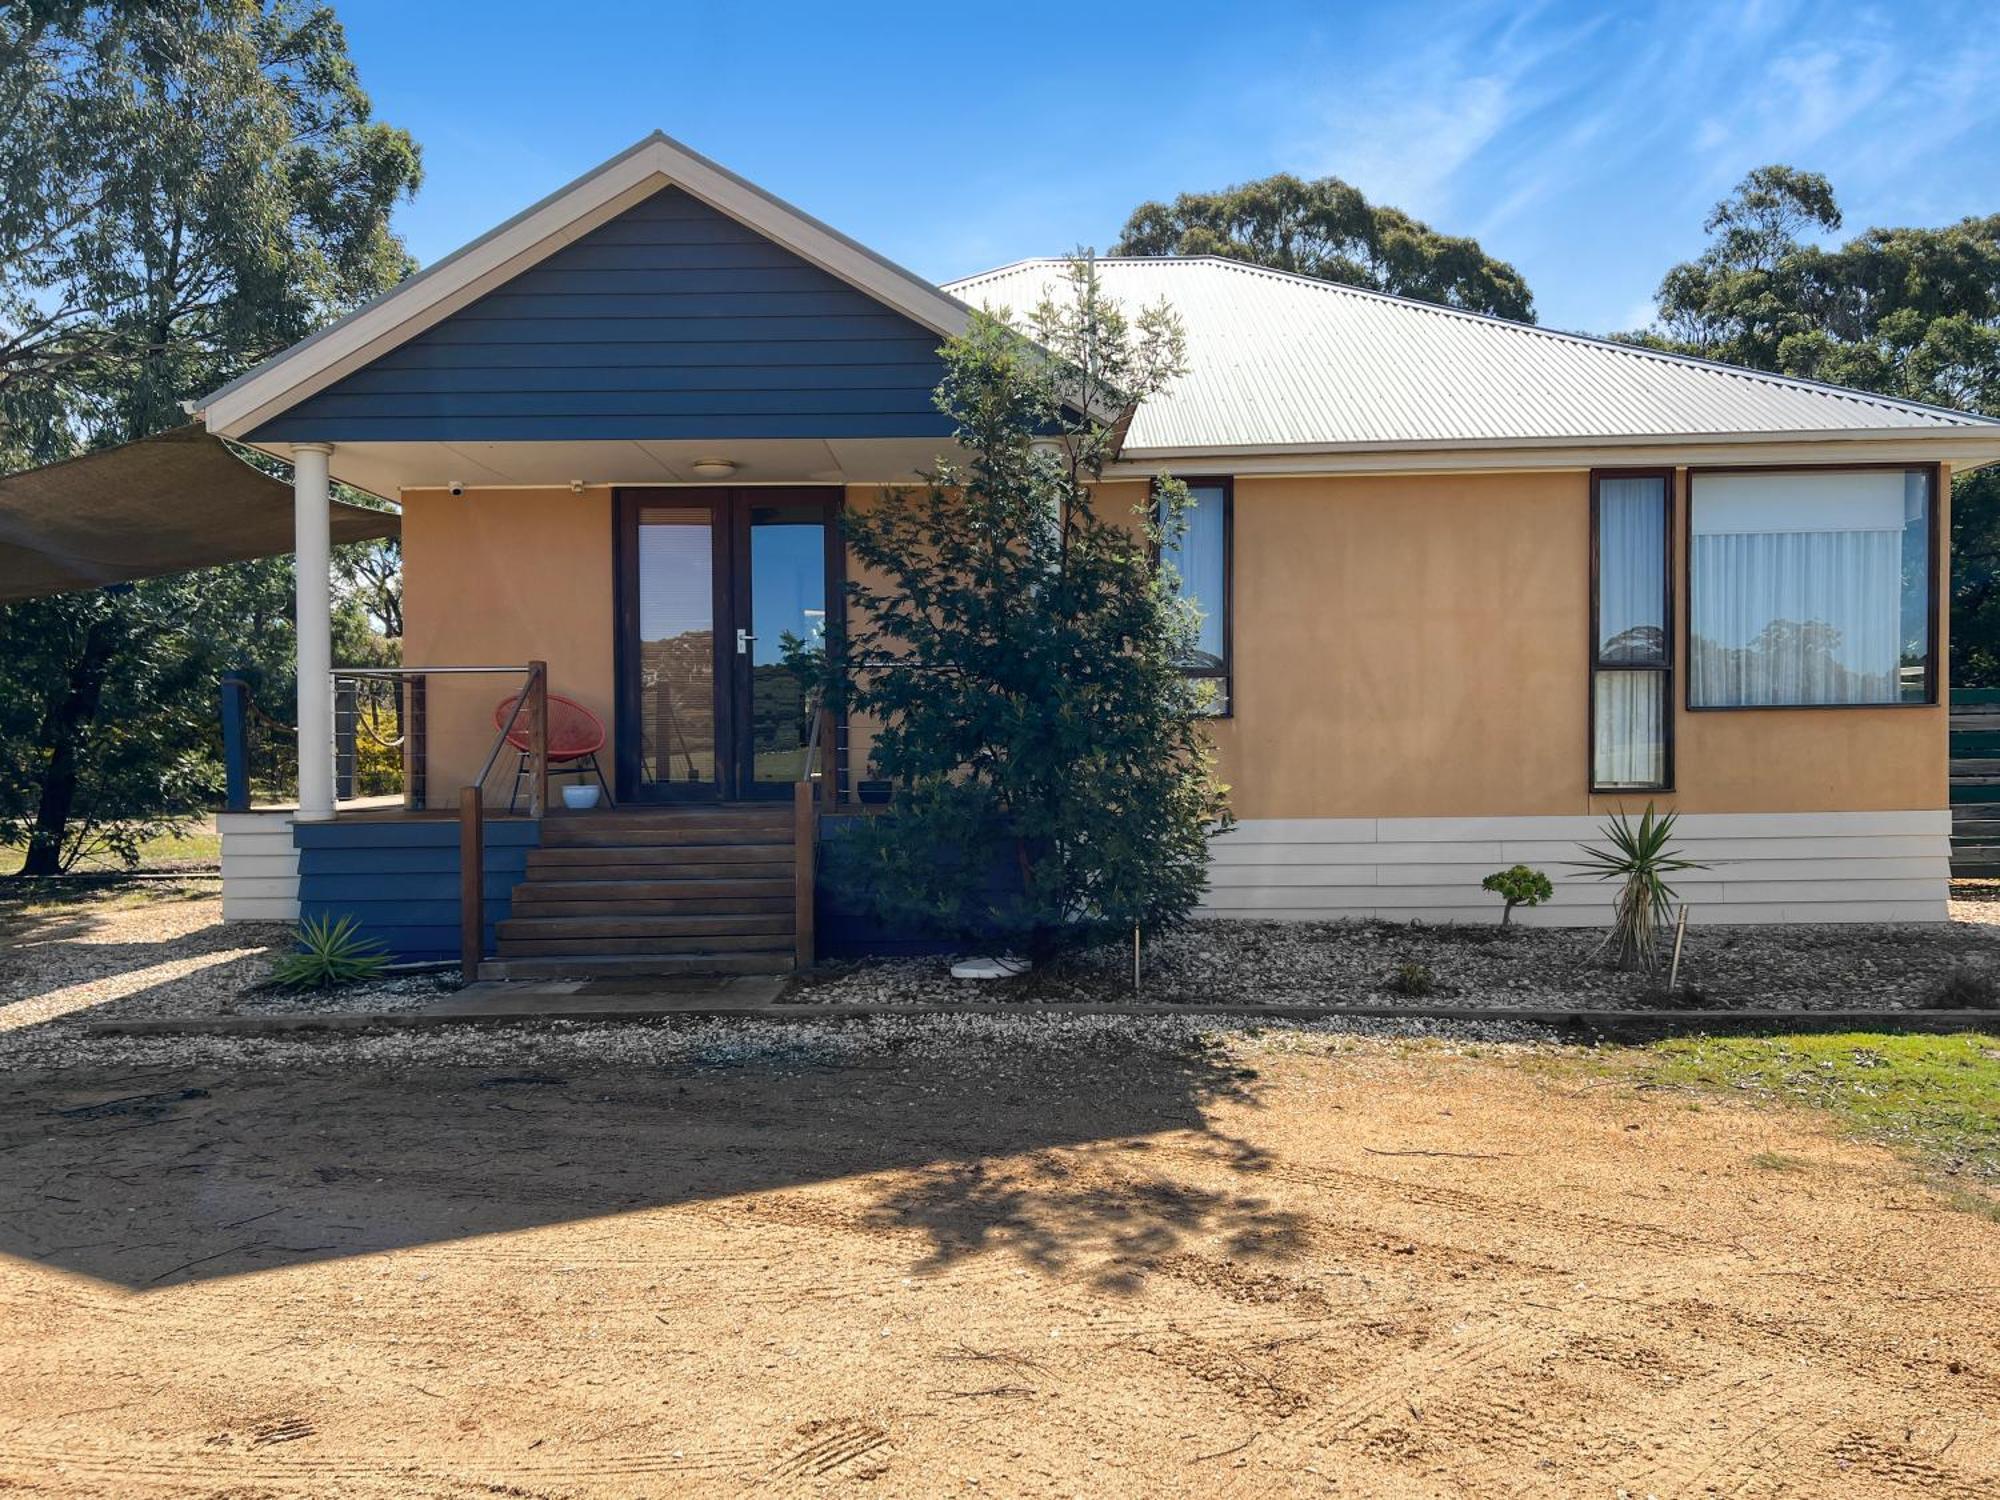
<point x="1974" y="445"/>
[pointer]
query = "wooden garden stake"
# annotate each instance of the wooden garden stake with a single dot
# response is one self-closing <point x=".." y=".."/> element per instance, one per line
<point x="1674" y="970"/>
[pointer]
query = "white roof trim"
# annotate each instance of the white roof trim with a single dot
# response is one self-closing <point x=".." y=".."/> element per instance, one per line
<point x="1962" y="450"/>
<point x="538" y="232"/>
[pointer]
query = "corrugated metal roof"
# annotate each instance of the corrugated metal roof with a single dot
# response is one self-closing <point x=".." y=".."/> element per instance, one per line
<point x="1282" y="361"/>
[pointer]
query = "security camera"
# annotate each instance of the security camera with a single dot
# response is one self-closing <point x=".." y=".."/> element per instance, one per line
<point x="456" y="488"/>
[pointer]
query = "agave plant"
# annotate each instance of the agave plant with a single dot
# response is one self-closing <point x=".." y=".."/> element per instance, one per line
<point x="1640" y="859"/>
<point x="330" y="953"/>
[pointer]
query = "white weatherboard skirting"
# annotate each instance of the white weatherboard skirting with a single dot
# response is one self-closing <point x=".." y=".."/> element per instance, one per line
<point x="260" y="868"/>
<point x="1763" y="867"/>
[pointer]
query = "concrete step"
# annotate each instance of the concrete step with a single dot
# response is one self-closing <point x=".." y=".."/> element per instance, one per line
<point x="634" y="966"/>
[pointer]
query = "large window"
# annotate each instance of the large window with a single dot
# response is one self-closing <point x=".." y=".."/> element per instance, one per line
<point x="1200" y="559"/>
<point x="1811" y="588"/>
<point x="1632" y="638"/>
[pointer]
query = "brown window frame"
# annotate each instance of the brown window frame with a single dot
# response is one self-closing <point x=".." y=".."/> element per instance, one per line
<point x="1226" y="673"/>
<point x="1935" y="604"/>
<point x="1669" y="510"/>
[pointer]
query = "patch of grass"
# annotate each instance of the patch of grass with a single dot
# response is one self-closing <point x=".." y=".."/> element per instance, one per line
<point x="1936" y="1097"/>
<point x="192" y="845"/>
<point x="1412" y="981"/>
<point x="1777" y="1161"/>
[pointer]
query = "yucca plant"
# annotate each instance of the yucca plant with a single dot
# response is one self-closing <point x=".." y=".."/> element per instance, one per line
<point x="1640" y="859"/>
<point x="331" y="953"/>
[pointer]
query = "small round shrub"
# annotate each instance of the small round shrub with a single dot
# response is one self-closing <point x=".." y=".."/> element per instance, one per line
<point x="1520" y="886"/>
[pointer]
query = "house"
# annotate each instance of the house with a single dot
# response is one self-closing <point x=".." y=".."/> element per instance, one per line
<point x="1469" y="586"/>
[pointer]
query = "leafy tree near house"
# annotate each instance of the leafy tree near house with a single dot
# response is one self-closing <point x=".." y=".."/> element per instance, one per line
<point x="184" y="189"/>
<point x="1326" y="229"/>
<point x="1019" y="648"/>
<point x="1912" y="313"/>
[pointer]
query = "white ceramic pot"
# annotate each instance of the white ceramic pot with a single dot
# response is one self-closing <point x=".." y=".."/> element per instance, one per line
<point x="579" y="798"/>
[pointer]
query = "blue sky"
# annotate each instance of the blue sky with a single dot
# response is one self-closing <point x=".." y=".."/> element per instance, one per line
<point x="1583" y="142"/>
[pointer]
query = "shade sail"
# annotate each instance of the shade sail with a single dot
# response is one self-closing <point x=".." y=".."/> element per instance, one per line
<point x="164" y="504"/>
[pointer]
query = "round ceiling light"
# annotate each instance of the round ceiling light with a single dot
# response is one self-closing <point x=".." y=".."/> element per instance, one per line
<point x="712" y="468"/>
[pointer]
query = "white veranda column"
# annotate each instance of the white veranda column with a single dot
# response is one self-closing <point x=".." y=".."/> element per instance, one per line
<point x="312" y="520"/>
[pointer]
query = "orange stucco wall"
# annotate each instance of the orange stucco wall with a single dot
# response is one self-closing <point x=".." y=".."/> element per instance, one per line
<point x="501" y="577"/>
<point x="1416" y="646"/>
<point x="1404" y="646"/>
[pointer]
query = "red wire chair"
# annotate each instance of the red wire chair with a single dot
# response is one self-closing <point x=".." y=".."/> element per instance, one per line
<point x="575" y="736"/>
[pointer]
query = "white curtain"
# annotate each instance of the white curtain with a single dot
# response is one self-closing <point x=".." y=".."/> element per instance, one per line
<point x="1198" y="559"/>
<point x="1798" y="586"/>
<point x="1631" y="747"/>
<point x="1632" y="570"/>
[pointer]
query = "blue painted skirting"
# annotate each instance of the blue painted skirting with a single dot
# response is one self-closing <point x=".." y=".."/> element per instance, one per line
<point x="400" y="879"/>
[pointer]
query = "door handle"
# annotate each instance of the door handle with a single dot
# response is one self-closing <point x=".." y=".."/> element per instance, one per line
<point x="743" y="640"/>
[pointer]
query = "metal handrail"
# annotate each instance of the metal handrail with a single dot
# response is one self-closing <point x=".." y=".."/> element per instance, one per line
<point x="417" y="676"/>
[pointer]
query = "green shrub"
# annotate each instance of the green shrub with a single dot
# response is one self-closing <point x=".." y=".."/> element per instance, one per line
<point x="1639" y="860"/>
<point x="1412" y="981"/>
<point x="330" y="954"/>
<point x="1963" y="987"/>
<point x="1519" y="886"/>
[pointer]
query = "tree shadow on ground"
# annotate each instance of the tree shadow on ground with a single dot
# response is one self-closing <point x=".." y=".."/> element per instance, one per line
<point x="158" y="1175"/>
<point x="1099" y="1209"/>
<point x="120" y="947"/>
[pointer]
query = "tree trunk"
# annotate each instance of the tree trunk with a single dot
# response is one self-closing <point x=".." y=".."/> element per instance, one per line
<point x="68" y="714"/>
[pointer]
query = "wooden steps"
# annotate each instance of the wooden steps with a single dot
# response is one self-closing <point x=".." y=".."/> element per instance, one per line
<point x="656" y="890"/>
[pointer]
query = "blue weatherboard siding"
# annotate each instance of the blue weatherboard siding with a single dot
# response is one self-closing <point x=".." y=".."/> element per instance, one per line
<point x="670" y="321"/>
<point x="400" y="879"/>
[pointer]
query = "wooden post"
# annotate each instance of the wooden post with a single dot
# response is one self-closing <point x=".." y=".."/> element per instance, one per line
<point x="236" y="744"/>
<point x="413" y="742"/>
<point x="471" y="883"/>
<point x="538" y="731"/>
<point x="805" y="840"/>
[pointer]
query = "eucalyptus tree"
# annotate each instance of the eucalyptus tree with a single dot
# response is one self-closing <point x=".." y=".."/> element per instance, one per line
<point x="1326" y="229"/>
<point x="1909" y="312"/>
<point x="189" y="186"/>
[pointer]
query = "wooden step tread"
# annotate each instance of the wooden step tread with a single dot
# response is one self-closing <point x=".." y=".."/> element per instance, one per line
<point x="712" y="906"/>
<point x="694" y="944"/>
<point x="670" y="856"/>
<point x="535" y="891"/>
<point x="593" y="928"/>
<point x="634" y="966"/>
<point x="726" y="834"/>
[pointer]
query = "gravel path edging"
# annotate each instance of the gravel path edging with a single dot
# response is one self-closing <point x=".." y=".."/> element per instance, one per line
<point x="1605" y="1023"/>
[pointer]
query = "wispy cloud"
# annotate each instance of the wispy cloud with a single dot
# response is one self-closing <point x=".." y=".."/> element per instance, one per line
<point x="1565" y="131"/>
<point x="1406" y="126"/>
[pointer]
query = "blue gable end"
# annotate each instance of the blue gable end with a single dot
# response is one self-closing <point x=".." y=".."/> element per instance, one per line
<point x="670" y="321"/>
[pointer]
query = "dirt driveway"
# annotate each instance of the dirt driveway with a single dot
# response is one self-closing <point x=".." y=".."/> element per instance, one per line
<point x="958" y="1259"/>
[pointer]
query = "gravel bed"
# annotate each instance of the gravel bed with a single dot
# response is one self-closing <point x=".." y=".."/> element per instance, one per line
<point x="1805" y="967"/>
<point x="388" y="996"/>
<point x="712" y="1044"/>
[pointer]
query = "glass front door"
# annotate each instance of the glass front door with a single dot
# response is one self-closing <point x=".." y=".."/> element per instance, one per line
<point x="715" y="586"/>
